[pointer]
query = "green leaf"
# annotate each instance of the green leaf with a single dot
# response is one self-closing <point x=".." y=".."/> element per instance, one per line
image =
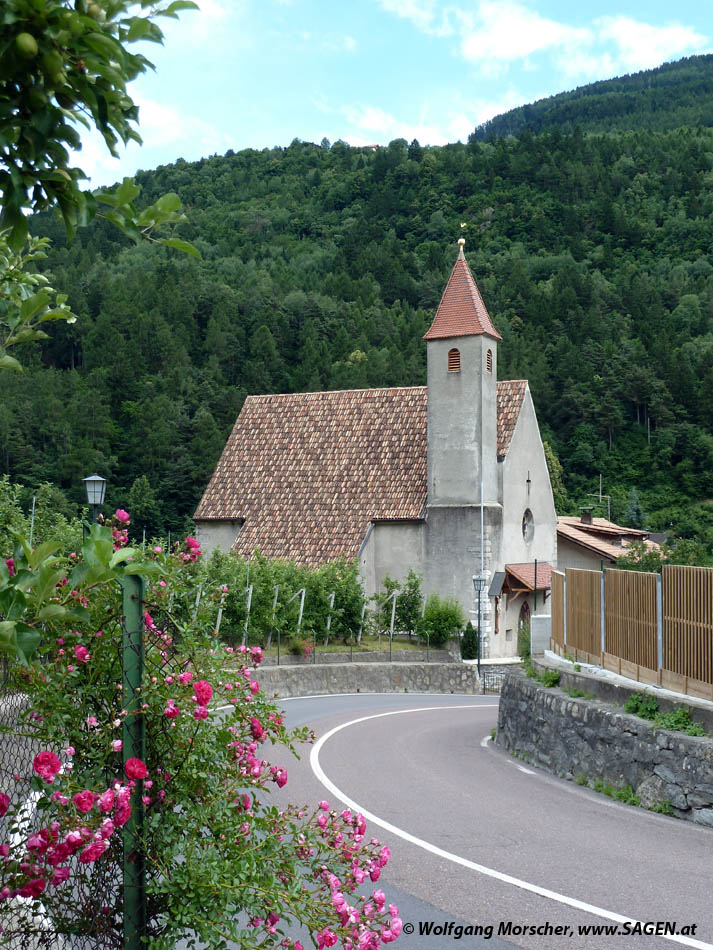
<point x="174" y="8"/>
<point x="9" y="362"/>
<point x="179" y="245"/>
<point x="137" y="567"/>
<point x="78" y="615"/>
<point x="51" y="611"/>
<point x="8" y="636"/>
<point x="27" y="641"/>
<point x="143" y="29"/>
<point x="122" y="555"/>
<point x="104" y="45"/>
<point x="169" y="202"/>
<point x="42" y="552"/>
<point x="34" y="305"/>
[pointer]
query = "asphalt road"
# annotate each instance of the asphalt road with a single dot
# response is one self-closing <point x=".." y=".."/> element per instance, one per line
<point x="480" y="840"/>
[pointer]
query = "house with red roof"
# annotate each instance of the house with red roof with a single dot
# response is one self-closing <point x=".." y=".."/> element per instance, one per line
<point x="448" y="479"/>
<point x="591" y="543"/>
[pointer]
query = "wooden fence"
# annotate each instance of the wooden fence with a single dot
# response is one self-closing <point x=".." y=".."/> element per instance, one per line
<point x="651" y="628"/>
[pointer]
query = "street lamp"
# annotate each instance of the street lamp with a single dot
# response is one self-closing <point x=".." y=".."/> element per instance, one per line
<point x="479" y="584"/>
<point x="95" y="486"/>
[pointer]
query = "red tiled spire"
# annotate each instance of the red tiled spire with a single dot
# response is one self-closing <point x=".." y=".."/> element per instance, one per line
<point x="461" y="311"/>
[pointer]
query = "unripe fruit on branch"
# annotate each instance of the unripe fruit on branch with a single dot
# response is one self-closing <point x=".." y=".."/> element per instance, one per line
<point x="26" y="45"/>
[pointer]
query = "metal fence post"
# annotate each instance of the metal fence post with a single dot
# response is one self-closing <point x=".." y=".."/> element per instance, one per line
<point x="659" y="621"/>
<point x="134" y="742"/>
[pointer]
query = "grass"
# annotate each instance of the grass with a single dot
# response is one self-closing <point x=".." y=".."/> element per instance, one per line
<point x="625" y="794"/>
<point x="367" y="644"/>
<point x="678" y="720"/>
<point x="575" y="693"/>
<point x="548" y="678"/>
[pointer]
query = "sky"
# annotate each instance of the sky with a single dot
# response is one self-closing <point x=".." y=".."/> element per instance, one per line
<point x="259" y="73"/>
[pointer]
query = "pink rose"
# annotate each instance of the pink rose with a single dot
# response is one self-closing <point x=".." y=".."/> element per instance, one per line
<point x="135" y="768"/>
<point x="200" y="712"/>
<point x="107" y="828"/>
<point x="185" y="678"/>
<point x="256" y="728"/>
<point x="122" y="812"/>
<point x="281" y="779"/>
<point x="122" y="516"/>
<point x="106" y="801"/>
<point x="203" y="692"/>
<point x="46" y="765"/>
<point x="171" y="711"/>
<point x="10" y="565"/>
<point x="4" y="803"/>
<point x="117" y="745"/>
<point x="84" y="801"/>
<point x="59" y="876"/>
<point x="81" y="653"/>
<point x="95" y="850"/>
<point x="34" y="888"/>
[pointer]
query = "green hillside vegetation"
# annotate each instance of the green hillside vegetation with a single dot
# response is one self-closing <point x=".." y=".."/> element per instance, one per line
<point x="668" y="97"/>
<point x="322" y="267"/>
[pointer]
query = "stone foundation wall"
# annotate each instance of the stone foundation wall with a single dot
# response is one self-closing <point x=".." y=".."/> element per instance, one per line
<point x="590" y="738"/>
<point x="317" y="679"/>
<point x="367" y="656"/>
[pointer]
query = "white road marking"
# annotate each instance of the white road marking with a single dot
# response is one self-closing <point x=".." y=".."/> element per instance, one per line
<point x="456" y="859"/>
<point x="526" y="771"/>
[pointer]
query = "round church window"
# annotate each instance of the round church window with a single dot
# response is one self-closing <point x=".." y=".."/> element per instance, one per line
<point x="528" y="525"/>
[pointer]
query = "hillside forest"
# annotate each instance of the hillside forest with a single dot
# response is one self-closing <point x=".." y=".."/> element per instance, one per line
<point x="321" y="268"/>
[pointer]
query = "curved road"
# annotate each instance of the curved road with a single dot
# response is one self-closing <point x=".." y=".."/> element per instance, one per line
<point x="479" y="839"/>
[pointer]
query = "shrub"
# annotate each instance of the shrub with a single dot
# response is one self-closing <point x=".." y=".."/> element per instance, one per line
<point x="442" y="618"/>
<point x="469" y="643"/>
<point x="523" y="642"/>
<point x="642" y="705"/>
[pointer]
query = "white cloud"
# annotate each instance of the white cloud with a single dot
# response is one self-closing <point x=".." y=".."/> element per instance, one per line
<point x="504" y="32"/>
<point x="429" y="16"/>
<point x="496" y="34"/>
<point x="372" y="125"/>
<point x="642" y="46"/>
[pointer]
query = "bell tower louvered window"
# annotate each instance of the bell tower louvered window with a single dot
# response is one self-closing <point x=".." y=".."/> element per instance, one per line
<point x="454" y="361"/>
<point x="489" y="361"/>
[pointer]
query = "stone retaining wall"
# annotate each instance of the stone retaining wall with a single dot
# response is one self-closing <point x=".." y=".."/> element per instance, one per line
<point x="317" y="679"/>
<point x="364" y="656"/>
<point x="598" y="741"/>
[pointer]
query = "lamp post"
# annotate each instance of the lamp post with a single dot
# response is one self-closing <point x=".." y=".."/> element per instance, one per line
<point x="478" y="584"/>
<point x="95" y="486"/>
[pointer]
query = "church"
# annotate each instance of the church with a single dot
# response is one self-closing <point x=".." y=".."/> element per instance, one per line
<point x="448" y="479"/>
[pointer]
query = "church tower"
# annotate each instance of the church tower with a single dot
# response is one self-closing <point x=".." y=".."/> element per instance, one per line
<point x="462" y="359"/>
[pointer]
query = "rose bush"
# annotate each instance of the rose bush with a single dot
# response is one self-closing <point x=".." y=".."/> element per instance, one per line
<point x="224" y="862"/>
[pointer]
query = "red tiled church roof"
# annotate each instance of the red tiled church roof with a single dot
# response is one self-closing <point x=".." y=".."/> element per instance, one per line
<point x="461" y="311"/>
<point x="308" y="471"/>
<point x="511" y="392"/>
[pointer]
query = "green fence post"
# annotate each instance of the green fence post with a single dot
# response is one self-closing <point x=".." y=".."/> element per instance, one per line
<point x="134" y="746"/>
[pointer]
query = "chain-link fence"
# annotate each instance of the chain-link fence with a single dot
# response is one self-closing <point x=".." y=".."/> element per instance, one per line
<point x="84" y="912"/>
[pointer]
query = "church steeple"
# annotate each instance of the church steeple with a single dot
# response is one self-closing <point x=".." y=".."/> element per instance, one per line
<point x="462" y="346"/>
<point x="461" y="311"/>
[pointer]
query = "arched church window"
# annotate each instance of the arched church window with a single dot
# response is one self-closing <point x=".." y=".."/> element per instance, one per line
<point x="528" y="525"/>
<point x="454" y="361"/>
<point x="489" y="361"/>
